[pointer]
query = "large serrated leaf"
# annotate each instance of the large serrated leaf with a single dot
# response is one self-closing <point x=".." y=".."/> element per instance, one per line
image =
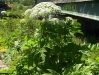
<point x="47" y="74"/>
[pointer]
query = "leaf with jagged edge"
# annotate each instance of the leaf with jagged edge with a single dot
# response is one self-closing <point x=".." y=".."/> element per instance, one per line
<point x="53" y="72"/>
<point x="47" y="74"/>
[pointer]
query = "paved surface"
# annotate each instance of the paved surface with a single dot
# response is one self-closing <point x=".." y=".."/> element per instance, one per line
<point x="2" y="65"/>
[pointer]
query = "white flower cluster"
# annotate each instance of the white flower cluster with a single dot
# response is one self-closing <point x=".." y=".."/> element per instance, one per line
<point x="44" y="9"/>
<point x="69" y="18"/>
<point x="16" y="43"/>
<point x="27" y="12"/>
<point x="55" y="20"/>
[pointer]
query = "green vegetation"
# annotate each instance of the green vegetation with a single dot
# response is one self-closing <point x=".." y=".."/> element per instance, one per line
<point x="29" y="2"/>
<point x="45" y="47"/>
<point x="24" y="2"/>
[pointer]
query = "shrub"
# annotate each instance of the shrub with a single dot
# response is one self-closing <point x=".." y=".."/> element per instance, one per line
<point x="50" y="50"/>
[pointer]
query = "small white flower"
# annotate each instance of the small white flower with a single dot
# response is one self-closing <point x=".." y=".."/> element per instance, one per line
<point x="37" y="30"/>
<point x="27" y="12"/>
<point x="16" y="43"/>
<point x="69" y="18"/>
<point x="55" y="20"/>
<point x="22" y="21"/>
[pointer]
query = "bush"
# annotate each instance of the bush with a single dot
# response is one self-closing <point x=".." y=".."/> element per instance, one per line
<point x="50" y="50"/>
<point x="27" y="3"/>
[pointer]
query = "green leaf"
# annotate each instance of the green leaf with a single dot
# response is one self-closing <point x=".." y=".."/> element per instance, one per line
<point x="47" y="74"/>
<point x="89" y="73"/>
<point x="53" y="72"/>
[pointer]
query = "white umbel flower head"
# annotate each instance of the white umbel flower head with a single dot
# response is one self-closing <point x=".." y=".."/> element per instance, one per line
<point x="44" y="9"/>
<point x="55" y="20"/>
<point x="16" y="43"/>
<point x="69" y="18"/>
<point x="27" y="12"/>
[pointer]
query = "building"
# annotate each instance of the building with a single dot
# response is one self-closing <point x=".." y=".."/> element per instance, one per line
<point x="38" y="1"/>
<point x="82" y="8"/>
<point x="85" y="11"/>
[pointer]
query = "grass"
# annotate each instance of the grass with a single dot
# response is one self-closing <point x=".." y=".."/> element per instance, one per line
<point x="3" y="49"/>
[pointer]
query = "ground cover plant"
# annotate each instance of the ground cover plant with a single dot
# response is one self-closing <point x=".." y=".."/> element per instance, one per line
<point x="46" y="47"/>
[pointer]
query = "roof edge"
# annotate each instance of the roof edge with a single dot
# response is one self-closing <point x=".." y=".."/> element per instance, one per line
<point x="69" y="1"/>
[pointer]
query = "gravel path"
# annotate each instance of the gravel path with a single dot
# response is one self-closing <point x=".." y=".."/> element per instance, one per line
<point x="2" y="65"/>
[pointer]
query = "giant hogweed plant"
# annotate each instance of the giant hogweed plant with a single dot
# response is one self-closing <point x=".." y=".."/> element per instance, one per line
<point x="50" y="51"/>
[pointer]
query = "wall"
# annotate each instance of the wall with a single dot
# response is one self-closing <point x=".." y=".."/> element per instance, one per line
<point x="81" y="9"/>
<point x="38" y="1"/>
